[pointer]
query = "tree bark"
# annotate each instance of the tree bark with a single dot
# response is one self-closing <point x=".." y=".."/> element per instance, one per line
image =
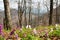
<point x="29" y="12"/>
<point x="25" y="22"/>
<point x="51" y="12"/>
<point x="20" y="13"/>
<point x="38" y="12"/>
<point x="7" y="14"/>
<point x="57" y="15"/>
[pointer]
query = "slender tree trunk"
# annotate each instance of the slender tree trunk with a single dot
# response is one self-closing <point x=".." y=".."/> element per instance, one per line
<point x="38" y="12"/>
<point x="20" y="13"/>
<point x="57" y="16"/>
<point x="7" y="14"/>
<point x="30" y="12"/>
<point x="51" y="12"/>
<point x="25" y="22"/>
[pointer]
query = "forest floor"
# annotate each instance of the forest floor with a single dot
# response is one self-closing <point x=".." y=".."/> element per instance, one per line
<point x="37" y="33"/>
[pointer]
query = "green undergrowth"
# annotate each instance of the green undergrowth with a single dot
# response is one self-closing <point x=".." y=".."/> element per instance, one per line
<point x="28" y="34"/>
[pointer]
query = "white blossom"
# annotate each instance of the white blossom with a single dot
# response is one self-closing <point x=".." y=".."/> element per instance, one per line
<point x="28" y="26"/>
<point x="51" y="29"/>
<point x="21" y="29"/>
<point x="56" y="26"/>
<point x="35" y="31"/>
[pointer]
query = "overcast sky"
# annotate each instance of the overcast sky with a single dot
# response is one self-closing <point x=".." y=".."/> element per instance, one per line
<point x="13" y="4"/>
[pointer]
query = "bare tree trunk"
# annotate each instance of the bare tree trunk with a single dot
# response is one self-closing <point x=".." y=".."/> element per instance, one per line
<point x="20" y="13"/>
<point x="29" y="12"/>
<point x="7" y="14"/>
<point x="57" y="16"/>
<point x="25" y="22"/>
<point x="51" y="12"/>
<point x="38" y="12"/>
